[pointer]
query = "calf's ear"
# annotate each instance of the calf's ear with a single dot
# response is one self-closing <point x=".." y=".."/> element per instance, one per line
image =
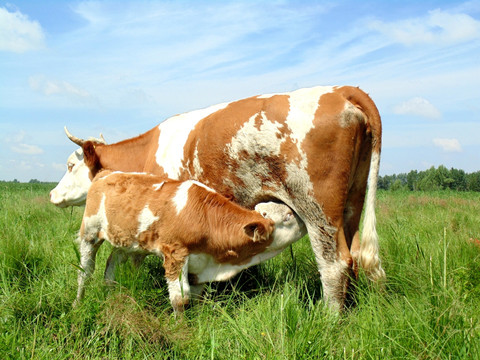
<point x="256" y="231"/>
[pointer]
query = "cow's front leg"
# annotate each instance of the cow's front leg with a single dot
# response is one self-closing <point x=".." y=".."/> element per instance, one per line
<point x="88" y="253"/>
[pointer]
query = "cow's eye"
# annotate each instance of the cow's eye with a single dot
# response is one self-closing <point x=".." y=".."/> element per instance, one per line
<point x="288" y="217"/>
<point x="70" y="167"/>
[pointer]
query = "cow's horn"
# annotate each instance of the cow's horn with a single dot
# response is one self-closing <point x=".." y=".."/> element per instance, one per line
<point x="76" y="140"/>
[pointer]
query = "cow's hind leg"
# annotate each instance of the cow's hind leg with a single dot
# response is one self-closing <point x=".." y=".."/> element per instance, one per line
<point x="334" y="264"/>
<point x="88" y="253"/>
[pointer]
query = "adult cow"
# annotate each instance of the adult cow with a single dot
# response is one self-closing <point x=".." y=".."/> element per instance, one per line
<point x="313" y="149"/>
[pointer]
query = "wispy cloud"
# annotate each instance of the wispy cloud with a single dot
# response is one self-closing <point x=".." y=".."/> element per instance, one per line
<point x="18" y="33"/>
<point x="26" y="149"/>
<point x="19" y="143"/>
<point x="448" y="145"/>
<point x="48" y="87"/>
<point x="51" y="87"/>
<point x="418" y="106"/>
<point x="438" y="27"/>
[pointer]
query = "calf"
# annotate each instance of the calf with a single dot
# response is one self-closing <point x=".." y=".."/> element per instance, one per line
<point x="194" y="229"/>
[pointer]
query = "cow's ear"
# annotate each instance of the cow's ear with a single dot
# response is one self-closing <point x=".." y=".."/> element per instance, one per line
<point x="90" y="157"/>
<point x="256" y="231"/>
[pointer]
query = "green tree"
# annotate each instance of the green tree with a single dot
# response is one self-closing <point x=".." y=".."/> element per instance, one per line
<point x="459" y="179"/>
<point x="473" y="181"/>
<point x="412" y="180"/>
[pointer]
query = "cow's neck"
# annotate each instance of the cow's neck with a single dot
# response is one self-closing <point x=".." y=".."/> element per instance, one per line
<point x="131" y="154"/>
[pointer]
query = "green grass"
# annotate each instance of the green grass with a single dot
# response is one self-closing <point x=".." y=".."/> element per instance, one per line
<point x="429" y="308"/>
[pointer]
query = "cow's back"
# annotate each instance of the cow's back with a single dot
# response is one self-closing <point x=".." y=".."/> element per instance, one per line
<point x="276" y="146"/>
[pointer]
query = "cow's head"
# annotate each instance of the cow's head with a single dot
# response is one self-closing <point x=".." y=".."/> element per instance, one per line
<point x="73" y="187"/>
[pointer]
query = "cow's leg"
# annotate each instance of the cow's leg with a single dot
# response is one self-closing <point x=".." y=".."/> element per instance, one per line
<point x="88" y="253"/>
<point x="179" y="289"/>
<point x="334" y="263"/>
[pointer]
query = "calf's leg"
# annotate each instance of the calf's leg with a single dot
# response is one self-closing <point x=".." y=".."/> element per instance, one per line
<point x="88" y="253"/>
<point x="175" y="263"/>
<point x="179" y="289"/>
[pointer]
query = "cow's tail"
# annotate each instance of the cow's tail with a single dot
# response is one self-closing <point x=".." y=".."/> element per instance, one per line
<point x="369" y="258"/>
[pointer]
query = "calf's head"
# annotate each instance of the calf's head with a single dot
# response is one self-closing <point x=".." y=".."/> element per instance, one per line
<point x="73" y="187"/>
<point x="259" y="231"/>
<point x="288" y="226"/>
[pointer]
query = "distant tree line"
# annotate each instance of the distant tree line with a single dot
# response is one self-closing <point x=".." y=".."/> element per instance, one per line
<point x="32" y="181"/>
<point x="439" y="178"/>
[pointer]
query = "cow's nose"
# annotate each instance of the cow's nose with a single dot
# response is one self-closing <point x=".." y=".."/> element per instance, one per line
<point x="52" y="196"/>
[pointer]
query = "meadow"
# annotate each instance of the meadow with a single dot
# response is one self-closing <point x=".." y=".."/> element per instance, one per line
<point x="428" y="309"/>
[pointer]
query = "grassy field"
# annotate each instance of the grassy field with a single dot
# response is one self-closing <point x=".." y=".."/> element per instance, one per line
<point x="429" y="308"/>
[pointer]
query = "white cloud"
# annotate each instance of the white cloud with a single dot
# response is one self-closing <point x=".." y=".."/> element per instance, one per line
<point x="438" y="27"/>
<point x="26" y="149"/>
<point x="41" y="84"/>
<point x="52" y="87"/>
<point x="18" y="144"/>
<point x="58" y="167"/>
<point x="448" y="145"/>
<point x="418" y="106"/>
<point x="18" y="33"/>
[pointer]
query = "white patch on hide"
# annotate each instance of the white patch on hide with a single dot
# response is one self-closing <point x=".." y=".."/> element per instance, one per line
<point x="260" y="144"/>
<point x="145" y="219"/>
<point x="351" y="115"/>
<point x="181" y="196"/>
<point x="303" y="105"/>
<point x="198" y="171"/>
<point x="173" y="137"/>
<point x="95" y="223"/>
<point x="263" y="141"/>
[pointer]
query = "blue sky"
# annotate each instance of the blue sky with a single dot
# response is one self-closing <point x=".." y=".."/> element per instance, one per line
<point x="122" y="67"/>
